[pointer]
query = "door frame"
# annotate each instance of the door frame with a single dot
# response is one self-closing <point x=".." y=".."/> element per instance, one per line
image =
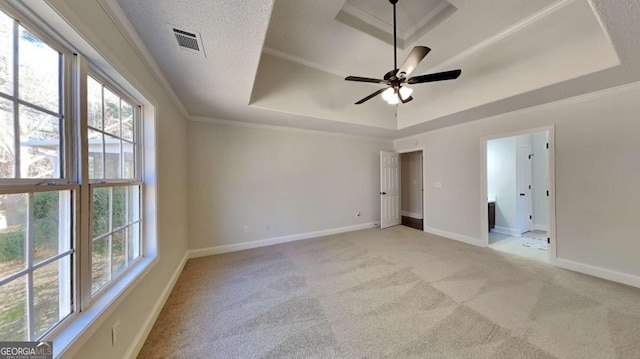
<point x="424" y="197"/>
<point x="484" y="213"/>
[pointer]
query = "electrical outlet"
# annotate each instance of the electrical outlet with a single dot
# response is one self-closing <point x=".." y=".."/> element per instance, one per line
<point x="115" y="332"/>
<point x="246" y="229"/>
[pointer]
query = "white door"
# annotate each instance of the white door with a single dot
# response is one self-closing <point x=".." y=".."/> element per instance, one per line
<point x="523" y="185"/>
<point x="389" y="189"/>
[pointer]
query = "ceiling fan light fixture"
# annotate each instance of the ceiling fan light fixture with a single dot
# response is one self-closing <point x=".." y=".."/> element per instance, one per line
<point x="405" y="92"/>
<point x="389" y="94"/>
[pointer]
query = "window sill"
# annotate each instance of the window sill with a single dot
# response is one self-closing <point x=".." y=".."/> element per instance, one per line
<point x="82" y="326"/>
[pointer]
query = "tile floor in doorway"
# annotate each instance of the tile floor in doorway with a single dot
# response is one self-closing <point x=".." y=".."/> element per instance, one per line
<point x="531" y="245"/>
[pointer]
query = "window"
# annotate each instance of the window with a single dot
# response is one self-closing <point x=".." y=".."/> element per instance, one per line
<point x="115" y="184"/>
<point x="35" y="221"/>
<point x="71" y="189"/>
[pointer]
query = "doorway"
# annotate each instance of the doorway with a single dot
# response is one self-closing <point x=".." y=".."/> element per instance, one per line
<point x="401" y="189"/>
<point x="517" y="189"/>
<point x="411" y="189"/>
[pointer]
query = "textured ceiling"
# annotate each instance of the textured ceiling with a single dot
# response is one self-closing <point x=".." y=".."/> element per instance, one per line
<point x="302" y="40"/>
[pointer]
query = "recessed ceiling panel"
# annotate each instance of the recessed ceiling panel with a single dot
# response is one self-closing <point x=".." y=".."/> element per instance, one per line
<point x="564" y="42"/>
<point x="414" y="18"/>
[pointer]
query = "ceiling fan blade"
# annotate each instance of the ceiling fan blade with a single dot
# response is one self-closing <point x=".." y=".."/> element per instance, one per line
<point x="417" y="54"/>
<point x="370" y="96"/>
<point x="407" y="100"/>
<point x="365" y="79"/>
<point x="440" y="76"/>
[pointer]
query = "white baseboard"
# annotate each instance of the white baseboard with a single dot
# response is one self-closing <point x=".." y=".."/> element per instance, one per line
<point x="139" y="340"/>
<point x="504" y="230"/>
<point x="412" y="215"/>
<point x="202" y="252"/>
<point x="454" y="236"/>
<point x="615" y="276"/>
<point x="540" y="227"/>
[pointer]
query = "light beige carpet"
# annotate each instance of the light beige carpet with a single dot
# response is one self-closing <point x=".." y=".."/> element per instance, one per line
<point x="392" y="293"/>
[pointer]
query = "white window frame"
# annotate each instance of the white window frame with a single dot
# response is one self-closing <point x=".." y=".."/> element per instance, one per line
<point x="87" y="298"/>
<point x="30" y="186"/>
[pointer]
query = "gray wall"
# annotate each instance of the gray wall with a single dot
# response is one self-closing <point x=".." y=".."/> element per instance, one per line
<point x="596" y="176"/>
<point x="134" y="308"/>
<point x="293" y="181"/>
<point x="501" y="182"/>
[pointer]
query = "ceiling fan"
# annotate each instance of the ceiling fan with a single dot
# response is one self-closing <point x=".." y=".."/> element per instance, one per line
<point x="396" y="79"/>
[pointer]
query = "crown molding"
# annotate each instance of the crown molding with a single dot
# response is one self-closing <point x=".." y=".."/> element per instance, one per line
<point x="122" y="22"/>
<point x="285" y="56"/>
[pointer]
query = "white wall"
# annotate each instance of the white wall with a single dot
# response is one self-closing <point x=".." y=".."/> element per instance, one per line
<point x="596" y="175"/>
<point x="501" y="182"/>
<point x="540" y="181"/>
<point x="296" y="182"/>
<point x="98" y="28"/>
<point x="411" y="184"/>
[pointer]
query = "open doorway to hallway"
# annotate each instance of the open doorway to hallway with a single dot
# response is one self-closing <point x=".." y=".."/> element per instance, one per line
<point x="518" y="194"/>
<point x="411" y="189"/>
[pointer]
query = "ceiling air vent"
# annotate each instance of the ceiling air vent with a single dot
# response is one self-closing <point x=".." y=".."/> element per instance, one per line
<point x="188" y="41"/>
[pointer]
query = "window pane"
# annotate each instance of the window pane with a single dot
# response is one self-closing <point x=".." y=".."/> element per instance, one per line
<point x="52" y="229"/>
<point x="118" y="254"/>
<point x="129" y="160"/>
<point x="100" y="211"/>
<point x="6" y="54"/>
<point x="127" y="121"/>
<point x="96" y="154"/>
<point x="112" y="157"/>
<point x="47" y="296"/>
<point x="99" y="264"/>
<point x="7" y="139"/>
<point x="13" y="237"/>
<point x="133" y="204"/>
<point x="119" y="207"/>
<point x="38" y="71"/>
<point x="13" y="310"/>
<point x="94" y="103"/>
<point x="39" y="144"/>
<point x="111" y="113"/>
<point x="133" y="242"/>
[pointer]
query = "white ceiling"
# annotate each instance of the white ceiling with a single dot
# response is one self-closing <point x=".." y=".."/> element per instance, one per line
<point x="282" y="62"/>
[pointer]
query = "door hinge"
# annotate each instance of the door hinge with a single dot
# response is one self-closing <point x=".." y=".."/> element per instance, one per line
<point x="548" y="240"/>
<point x="529" y="186"/>
<point x="547" y="145"/>
<point x="547" y="193"/>
<point x="530" y="217"/>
